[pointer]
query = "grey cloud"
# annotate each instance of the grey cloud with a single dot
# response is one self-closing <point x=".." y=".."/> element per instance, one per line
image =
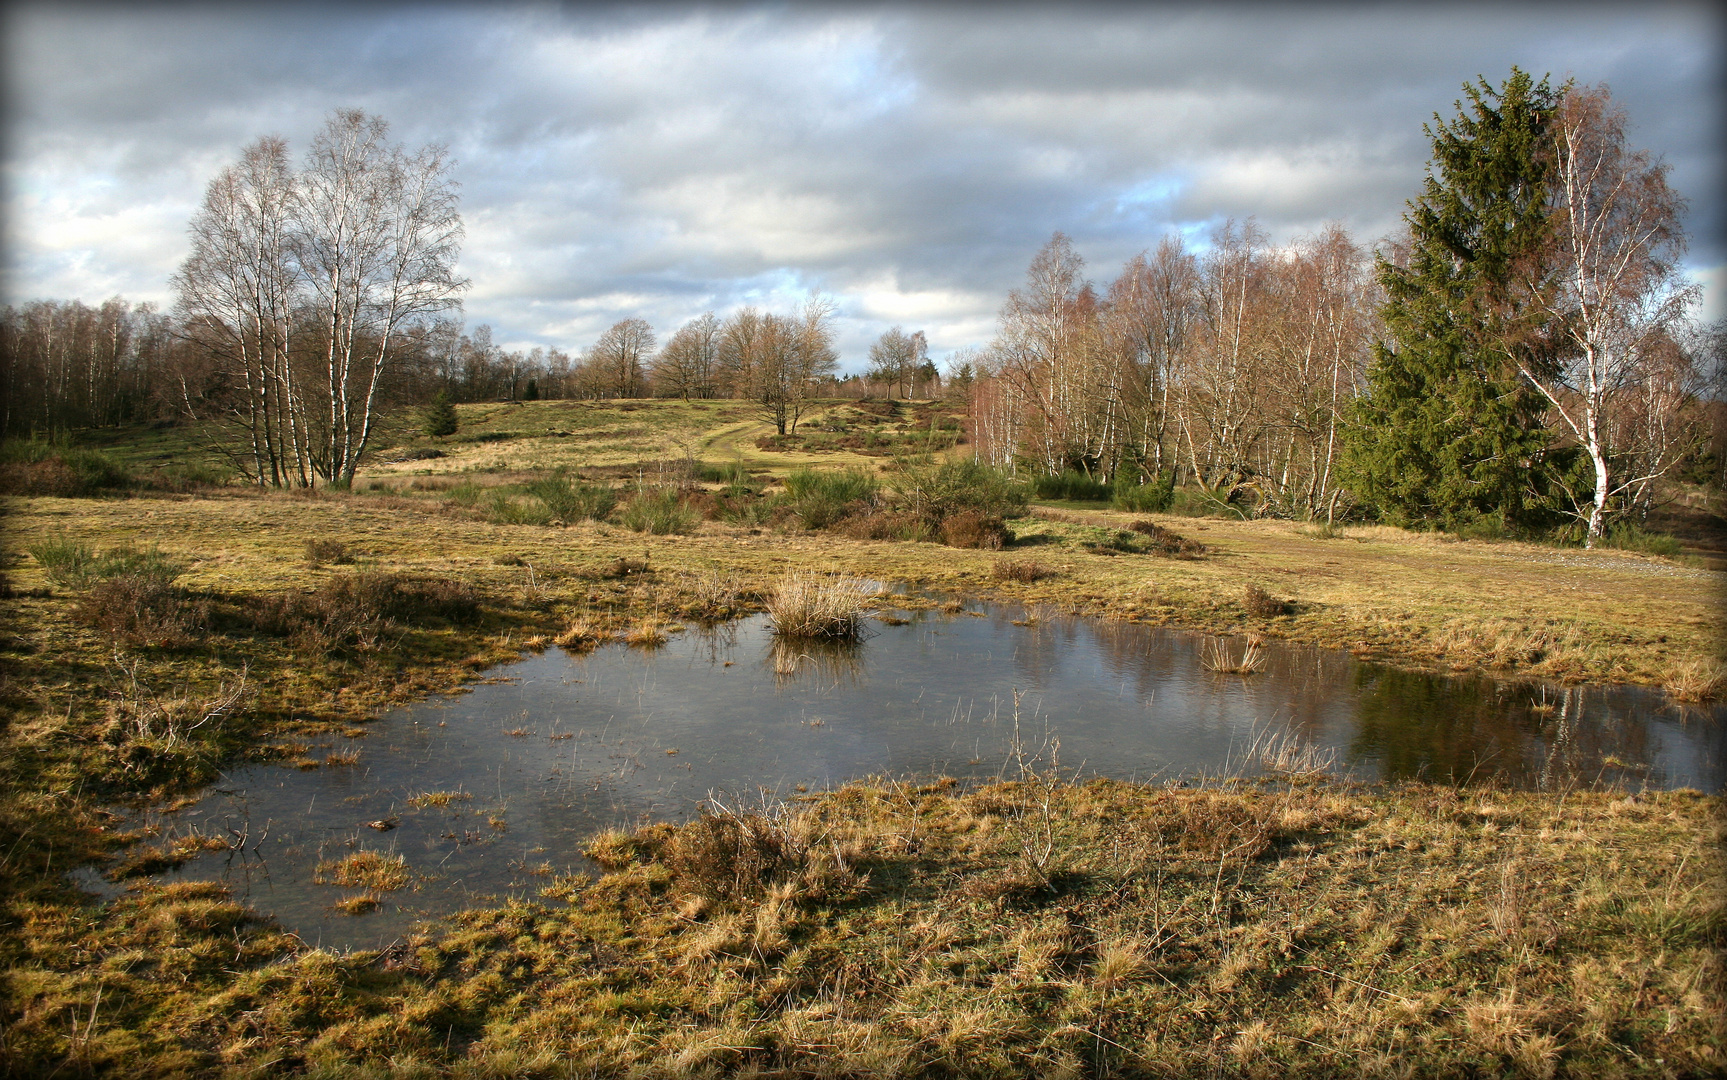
<point x="661" y="161"/>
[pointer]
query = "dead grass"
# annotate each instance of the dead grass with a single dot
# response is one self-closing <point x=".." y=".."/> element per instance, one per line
<point x="819" y="606"/>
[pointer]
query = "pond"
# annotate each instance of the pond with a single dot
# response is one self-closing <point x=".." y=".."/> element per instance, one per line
<point x="493" y="792"/>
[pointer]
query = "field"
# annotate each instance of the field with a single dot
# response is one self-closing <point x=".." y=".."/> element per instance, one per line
<point x="1228" y="929"/>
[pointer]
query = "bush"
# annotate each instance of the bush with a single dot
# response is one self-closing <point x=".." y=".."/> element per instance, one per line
<point x="1024" y="571"/>
<point x="355" y="610"/>
<point x="571" y="502"/>
<point x="507" y="510"/>
<point x="1261" y="604"/>
<point x="1070" y="486"/>
<point x="1167" y="541"/>
<point x="972" y="529"/>
<point x="319" y="552"/>
<point x="1199" y="502"/>
<point x="659" y="512"/>
<point x="957" y="486"/>
<point x="141" y="609"/>
<point x="821" y="498"/>
<point x="1152" y="498"/>
<point x="77" y="566"/>
<point x="899" y="525"/>
<point x="56" y="468"/>
<point x="1628" y="536"/>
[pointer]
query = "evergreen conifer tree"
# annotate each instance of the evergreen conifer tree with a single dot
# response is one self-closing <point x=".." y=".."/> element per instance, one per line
<point x="441" y="417"/>
<point x="1448" y="431"/>
<point x="532" y="393"/>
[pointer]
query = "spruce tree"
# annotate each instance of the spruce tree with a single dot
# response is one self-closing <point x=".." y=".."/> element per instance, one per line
<point x="1448" y="431"/>
<point x="441" y="417"/>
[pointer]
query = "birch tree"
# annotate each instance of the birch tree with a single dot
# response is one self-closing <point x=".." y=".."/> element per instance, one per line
<point x="1610" y="282"/>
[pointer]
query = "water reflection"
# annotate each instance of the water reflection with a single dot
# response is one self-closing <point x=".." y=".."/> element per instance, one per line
<point x="488" y="793"/>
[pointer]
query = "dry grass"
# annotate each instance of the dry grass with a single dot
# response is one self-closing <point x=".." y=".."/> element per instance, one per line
<point x="819" y="606"/>
<point x="1216" y="655"/>
<point x="1697" y="680"/>
<point x="580" y="636"/>
<point x="649" y="633"/>
<point x="1023" y="571"/>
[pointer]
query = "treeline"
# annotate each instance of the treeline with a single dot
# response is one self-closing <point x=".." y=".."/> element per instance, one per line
<point x="1228" y="368"/>
<point x="1524" y="353"/>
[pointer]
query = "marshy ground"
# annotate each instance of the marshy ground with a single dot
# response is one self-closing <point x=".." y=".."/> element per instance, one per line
<point x="1035" y="928"/>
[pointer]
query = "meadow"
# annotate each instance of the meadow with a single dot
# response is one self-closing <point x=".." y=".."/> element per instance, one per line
<point x="156" y="631"/>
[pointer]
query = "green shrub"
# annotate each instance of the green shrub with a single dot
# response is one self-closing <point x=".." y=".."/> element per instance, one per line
<point x="466" y="493"/>
<point x="659" y="512"/>
<point x="57" y="468"/>
<point x="571" y="502"/>
<point x="957" y="486"/>
<point x="508" y="510"/>
<point x="1200" y="502"/>
<point x="1071" y="486"/>
<point x="1152" y="498"/>
<point x="820" y="498"/>
<point x="1628" y="536"/>
<point x="77" y="566"/>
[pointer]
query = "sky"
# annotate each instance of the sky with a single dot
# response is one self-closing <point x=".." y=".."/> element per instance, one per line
<point x="663" y="160"/>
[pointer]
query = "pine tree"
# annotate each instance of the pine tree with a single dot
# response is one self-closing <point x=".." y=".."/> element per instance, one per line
<point x="532" y="393"/>
<point x="1448" y="431"/>
<point x="441" y="418"/>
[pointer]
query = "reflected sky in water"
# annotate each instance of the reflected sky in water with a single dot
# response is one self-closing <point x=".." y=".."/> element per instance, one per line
<point x="566" y="745"/>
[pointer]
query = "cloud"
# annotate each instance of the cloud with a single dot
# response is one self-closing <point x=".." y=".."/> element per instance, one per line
<point x="663" y="161"/>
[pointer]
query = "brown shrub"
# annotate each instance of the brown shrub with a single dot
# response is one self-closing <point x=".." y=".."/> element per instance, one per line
<point x="884" y="525"/>
<point x="319" y="552"/>
<point x="137" y="609"/>
<point x="1261" y="604"/>
<point x="727" y="856"/>
<point x="1024" y="571"/>
<point x="355" y="610"/>
<point x="1167" y="542"/>
<point x="971" y="529"/>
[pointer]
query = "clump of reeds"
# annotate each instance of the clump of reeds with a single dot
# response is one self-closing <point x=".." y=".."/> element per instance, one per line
<point x="359" y="904"/>
<point x="1217" y="656"/>
<point x="819" y="606"/>
<point x="580" y="636"/>
<point x="1024" y="571"/>
<point x="1288" y="753"/>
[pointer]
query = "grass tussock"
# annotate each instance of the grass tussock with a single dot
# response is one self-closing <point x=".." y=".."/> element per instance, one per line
<point x="659" y="512"/>
<point x="373" y="870"/>
<point x="581" y="635"/>
<point x="1697" y="680"/>
<point x="321" y="552"/>
<point x="1167" y="542"/>
<point x="819" y="606"/>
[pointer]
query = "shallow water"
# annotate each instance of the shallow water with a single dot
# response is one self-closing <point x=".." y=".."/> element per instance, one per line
<point x="562" y="746"/>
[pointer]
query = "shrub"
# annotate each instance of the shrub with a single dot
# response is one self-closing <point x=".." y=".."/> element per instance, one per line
<point x="76" y="565"/>
<point x="355" y="610"/>
<point x="1627" y="536"/>
<point x="507" y="510"/>
<point x="56" y="468"/>
<point x="1261" y="604"/>
<point x="1167" y="542"/>
<point x="659" y="512"/>
<point x="319" y="552"/>
<point x="140" y="609"/>
<point x="727" y="856"/>
<point x="571" y="502"/>
<point x="820" y="498"/>
<point x="1199" y="502"/>
<point x="1152" y="498"/>
<point x="972" y="529"/>
<point x="886" y="525"/>
<point x="937" y="493"/>
<point x="1071" y="486"/>
<point x="1024" y="571"/>
<point x="810" y="606"/>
